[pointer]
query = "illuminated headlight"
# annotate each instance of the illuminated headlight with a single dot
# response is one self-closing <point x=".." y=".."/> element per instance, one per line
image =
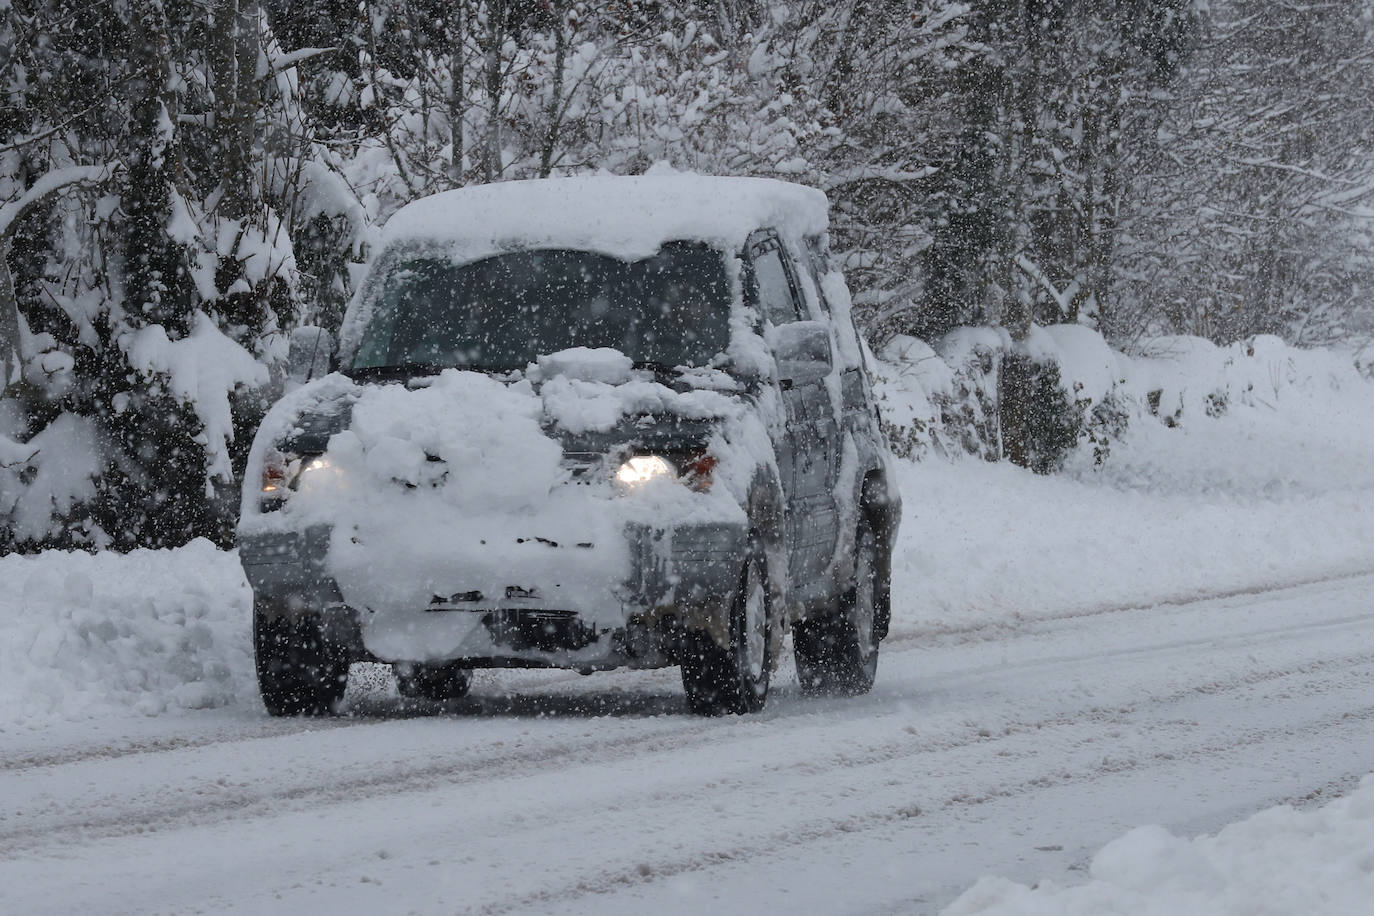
<point x="282" y="472"/>
<point x="641" y="469"/>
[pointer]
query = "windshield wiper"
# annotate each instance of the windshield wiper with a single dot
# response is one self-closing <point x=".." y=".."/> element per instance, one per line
<point x="392" y="373"/>
<point x="418" y="370"/>
<point x="662" y="371"/>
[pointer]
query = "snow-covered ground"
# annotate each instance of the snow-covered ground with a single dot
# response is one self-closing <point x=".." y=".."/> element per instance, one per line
<point x="1179" y="637"/>
<point x="1281" y="860"/>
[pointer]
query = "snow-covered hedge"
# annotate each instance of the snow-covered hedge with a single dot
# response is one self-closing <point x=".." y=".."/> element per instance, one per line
<point x="1254" y="467"/>
<point x="944" y="399"/>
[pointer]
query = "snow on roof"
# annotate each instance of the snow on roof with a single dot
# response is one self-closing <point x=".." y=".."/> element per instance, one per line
<point x="627" y="216"/>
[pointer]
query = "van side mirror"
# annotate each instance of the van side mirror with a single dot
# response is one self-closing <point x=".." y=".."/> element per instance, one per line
<point x="802" y="349"/>
<point x="308" y="356"/>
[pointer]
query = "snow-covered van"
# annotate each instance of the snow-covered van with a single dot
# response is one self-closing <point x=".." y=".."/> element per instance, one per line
<point x="579" y="423"/>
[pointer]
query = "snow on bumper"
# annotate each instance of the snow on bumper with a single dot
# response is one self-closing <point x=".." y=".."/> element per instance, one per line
<point x="602" y="593"/>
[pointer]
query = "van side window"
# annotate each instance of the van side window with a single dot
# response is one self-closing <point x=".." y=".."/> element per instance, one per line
<point x="775" y="300"/>
<point x="816" y="265"/>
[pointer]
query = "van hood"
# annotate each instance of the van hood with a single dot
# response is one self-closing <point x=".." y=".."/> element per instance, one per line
<point x="584" y="415"/>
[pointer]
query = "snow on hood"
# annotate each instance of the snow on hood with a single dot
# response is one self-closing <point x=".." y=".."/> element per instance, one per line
<point x="588" y="406"/>
<point x="591" y="364"/>
<point x="501" y="434"/>
<point x="486" y="434"/>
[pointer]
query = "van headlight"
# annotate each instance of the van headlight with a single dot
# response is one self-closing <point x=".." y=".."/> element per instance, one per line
<point x="639" y="470"/>
<point x="693" y="468"/>
<point x="282" y="473"/>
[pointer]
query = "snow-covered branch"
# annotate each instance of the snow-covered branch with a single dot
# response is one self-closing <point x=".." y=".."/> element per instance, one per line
<point x="50" y="183"/>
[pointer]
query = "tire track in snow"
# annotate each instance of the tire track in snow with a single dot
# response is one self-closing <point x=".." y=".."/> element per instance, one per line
<point x="124" y="815"/>
<point x="809" y="832"/>
<point x="369" y="712"/>
<point x="1021" y="623"/>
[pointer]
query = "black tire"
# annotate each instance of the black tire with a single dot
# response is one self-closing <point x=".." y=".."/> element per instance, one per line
<point x="734" y="681"/>
<point x="838" y="654"/>
<point x="300" y="673"/>
<point x="432" y="682"/>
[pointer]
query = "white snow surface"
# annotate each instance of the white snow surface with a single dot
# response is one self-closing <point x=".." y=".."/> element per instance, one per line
<point x="86" y="636"/>
<point x="629" y="217"/>
<point x="1280" y="861"/>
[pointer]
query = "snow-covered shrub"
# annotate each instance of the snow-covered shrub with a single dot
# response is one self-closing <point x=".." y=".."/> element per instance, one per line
<point x="1054" y="421"/>
<point x="973" y="414"/>
<point x="48" y="483"/>
<point x="933" y="404"/>
<point x="951" y="399"/>
<point x="1107" y="422"/>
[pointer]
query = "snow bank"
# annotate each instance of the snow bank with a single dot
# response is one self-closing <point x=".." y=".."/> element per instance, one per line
<point x="1280" y="861"/>
<point x="92" y="635"/>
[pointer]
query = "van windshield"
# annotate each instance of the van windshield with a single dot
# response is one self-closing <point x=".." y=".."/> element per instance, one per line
<point x="502" y="312"/>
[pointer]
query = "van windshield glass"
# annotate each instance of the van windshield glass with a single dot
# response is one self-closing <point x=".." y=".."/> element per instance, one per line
<point x="501" y="312"/>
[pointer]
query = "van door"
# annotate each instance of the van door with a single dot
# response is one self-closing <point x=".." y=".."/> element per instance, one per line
<point x="805" y="454"/>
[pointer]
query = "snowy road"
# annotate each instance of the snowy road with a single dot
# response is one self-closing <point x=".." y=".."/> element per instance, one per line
<point x="1013" y="751"/>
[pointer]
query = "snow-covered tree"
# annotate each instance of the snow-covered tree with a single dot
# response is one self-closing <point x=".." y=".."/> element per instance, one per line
<point x="153" y="300"/>
<point x="1255" y="210"/>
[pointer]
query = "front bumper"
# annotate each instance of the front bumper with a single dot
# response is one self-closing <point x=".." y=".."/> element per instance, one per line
<point x="680" y="579"/>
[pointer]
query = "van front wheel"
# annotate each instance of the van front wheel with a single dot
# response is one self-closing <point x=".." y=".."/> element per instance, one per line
<point x="734" y="680"/>
<point x="300" y="673"/>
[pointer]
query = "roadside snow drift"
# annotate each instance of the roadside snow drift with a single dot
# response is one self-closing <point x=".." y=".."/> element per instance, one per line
<point x="88" y="635"/>
<point x="1280" y="862"/>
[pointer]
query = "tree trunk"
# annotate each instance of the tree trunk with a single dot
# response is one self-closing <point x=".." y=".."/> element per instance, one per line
<point x="496" y="35"/>
<point x="234" y="63"/>
<point x="9" y="320"/>
<point x="555" y="112"/>
<point x="457" y="99"/>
